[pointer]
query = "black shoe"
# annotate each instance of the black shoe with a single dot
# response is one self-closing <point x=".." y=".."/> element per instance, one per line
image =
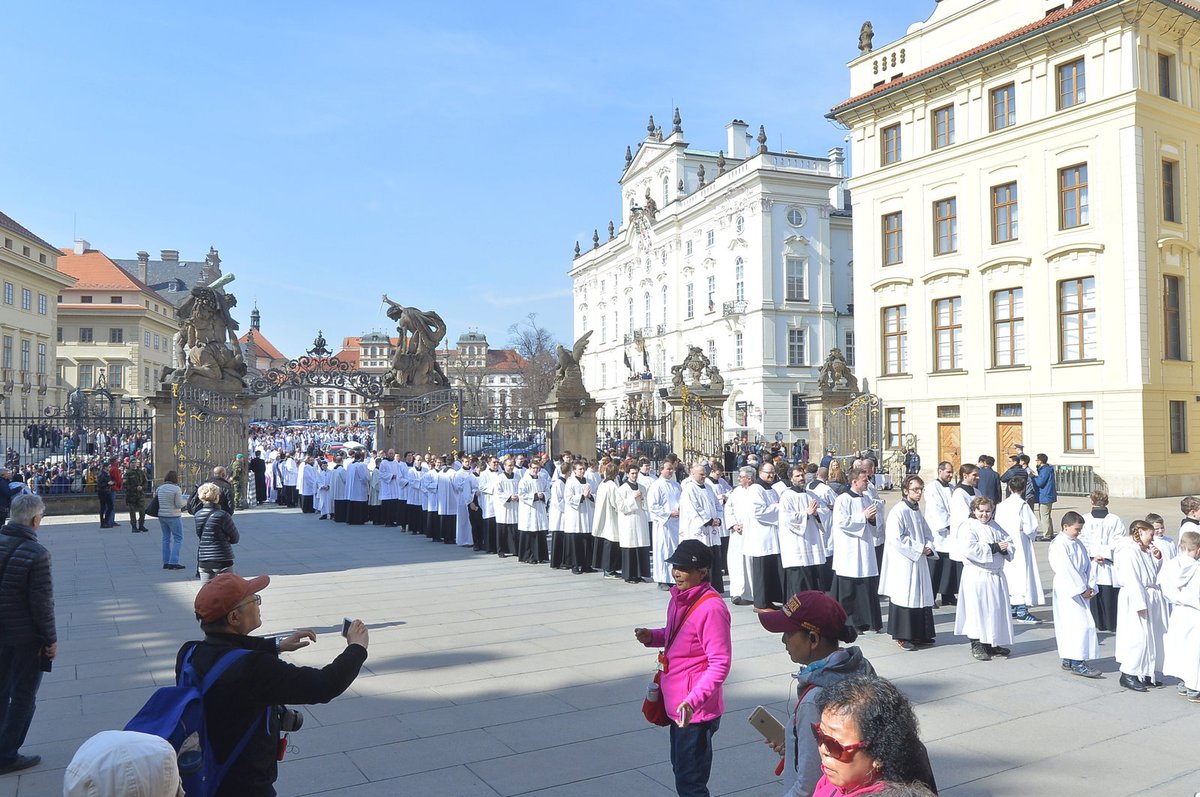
<point x="995" y="650"/>
<point x="1150" y="682"/>
<point x="980" y="652"/>
<point x="1132" y="683"/>
<point x="167" y="567"/>
<point x="178" y="567"/>
<point x="740" y="601"/>
<point x="577" y="571"/>
<point x="906" y="645"/>
<point x="21" y="762"/>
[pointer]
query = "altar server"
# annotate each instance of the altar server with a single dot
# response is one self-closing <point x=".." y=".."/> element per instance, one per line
<point x="357" y="479"/>
<point x="337" y="489"/>
<point x="1022" y="572"/>
<point x="1141" y="609"/>
<point x="801" y="543"/>
<point x="663" y="505"/>
<point x="905" y="577"/>
<point x="944" y="571"/>
<point x="1103" y="533"/>
<point x="557" y="507"/>
<point x="983" y="614"/>
<point x="504" y="492"/>
<point x="389" y="489"/>
<point x="1074" y="587"/>
<point x="855" y="569"/>
<point x="306" y="485"/>
<point x="634" y="527"/>
<point x="533" y="516"/>
<point x="754" y="511"/>
<point x="606" y="526"/>
<point x="447" y="502"/>
<point x="1180" y="582"/>
<point x="578" y="506"/>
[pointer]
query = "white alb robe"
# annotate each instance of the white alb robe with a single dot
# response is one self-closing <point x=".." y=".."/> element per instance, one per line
<point x="698" y="508"/>
<point x="1139" y="645"/>
<point x="1180" y="582"/>
<point x="937" y="514"/>
<point x="904" y="576"/>
<point x="663" y="501"/>
<point x="801" y="543"/>
<point x="853" y="537"/>
<point x="605" y="517"/>
<point x="1074" y="574"/>
<point x="534" y="512"/>
<point x="634" y="522"/>
<point x="756" y="510"/>
<point x="1024" y="580"/>
<point x="1102" y="536"/>
<point x="960" y="515"/>
<point x="323" y="498"/>
<point x="984" y="611"/>
<point x="577" y="506"/>
<point x="503" y="489"/>
<point x="356" y="481"/>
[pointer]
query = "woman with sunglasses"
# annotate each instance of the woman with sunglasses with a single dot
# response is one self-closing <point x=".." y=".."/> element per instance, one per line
<point x="813" y="624"/>
<point x="868" y="739"/>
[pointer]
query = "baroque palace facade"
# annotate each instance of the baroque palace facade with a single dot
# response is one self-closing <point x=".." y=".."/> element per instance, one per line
<point x="743" y="253"/>
<point x="1024" y="189"/>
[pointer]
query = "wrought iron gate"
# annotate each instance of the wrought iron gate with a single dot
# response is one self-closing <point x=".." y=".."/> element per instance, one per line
<point x="210" y="429"/>
<point x="856" y="426"/>
<point x="702" y="427"/>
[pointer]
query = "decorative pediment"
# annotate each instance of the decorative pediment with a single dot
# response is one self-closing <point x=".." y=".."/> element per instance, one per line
<point x="796" y="240"/>
<point x="1004" y="264"/>
<point x="738" y="243"/>
<point x="1075" y="252"/>
<point x="947" y="273"/>
<point x="688" y="271"/>
<point x="891" y="283"/>
<point x="1175" y="242"/>
<point x="708" y="263"/>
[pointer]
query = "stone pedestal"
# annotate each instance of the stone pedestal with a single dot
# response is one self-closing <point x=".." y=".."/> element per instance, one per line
<point x="818" y="437"/>
<point x="162" y="433"/>
<point x="196" y="430"/>
<point x="572" y="426"/>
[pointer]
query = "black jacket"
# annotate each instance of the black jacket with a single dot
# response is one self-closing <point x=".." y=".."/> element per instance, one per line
<point x="243" y="694"/>
<point x="226" y="493"/>
<point x="26" y="589"/>
<point x="218" y="535"/>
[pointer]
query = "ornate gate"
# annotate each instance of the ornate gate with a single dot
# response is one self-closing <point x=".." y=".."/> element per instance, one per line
<point x="856" y="426"/>
<point x="701" y="426"/>
<point x="207" y="427"/>
<point x="431" y="423"/>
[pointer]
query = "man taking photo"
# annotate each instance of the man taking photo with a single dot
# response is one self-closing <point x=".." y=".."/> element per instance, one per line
<point x="259" y="684"/>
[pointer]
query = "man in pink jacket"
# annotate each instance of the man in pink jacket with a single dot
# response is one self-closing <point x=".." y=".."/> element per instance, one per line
<point x="697" y="651"/>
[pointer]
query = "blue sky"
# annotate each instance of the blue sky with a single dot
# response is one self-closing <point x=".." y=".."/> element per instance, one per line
<point x="448" y="154"/>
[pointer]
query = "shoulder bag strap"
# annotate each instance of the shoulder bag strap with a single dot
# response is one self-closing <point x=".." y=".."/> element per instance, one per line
<point x="686" y="615"/>
<point x="10" y="553"/>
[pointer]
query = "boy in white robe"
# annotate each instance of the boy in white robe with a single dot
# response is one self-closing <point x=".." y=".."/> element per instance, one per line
<point x="904" y="576"/>
<point x="579" y="505"/>
<point x="855" y="567"/>
<point x="533" y="517"/>
<point x="1180" y="582"/>
<point x="944" y="571"/>
<point x="1102" y="533"/>
<point x="983" y="614"/>
<point x="1161" y="541"/>
<point x="1190" y="507"/>
<point x="504" y="493"/>
<point x="1022" y="573"/>
<point x="663" y="506"/>
<point x="323" y="502"/>
<point x="1074" y="586"/>
<point x="1142" y="609"/>
<point x="633" y="528"/>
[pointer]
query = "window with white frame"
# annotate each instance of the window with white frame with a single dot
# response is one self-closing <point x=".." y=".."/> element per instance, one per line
<point x="739" y="280"/>
<point x="712" y="293"/>
<point x="795" y="347"/>
<point x="738" y="353"/>
<point x="691" y="300"/>
<point x="795" y="287"/>
<point x="848" y="347"/>
<point x="799" y="414"/>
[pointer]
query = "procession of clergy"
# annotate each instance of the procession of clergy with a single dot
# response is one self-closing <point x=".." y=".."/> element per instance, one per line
<point x="776" y="534"/>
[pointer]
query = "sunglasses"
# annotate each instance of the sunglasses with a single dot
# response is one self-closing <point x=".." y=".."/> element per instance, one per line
<point x="842" y="752"/>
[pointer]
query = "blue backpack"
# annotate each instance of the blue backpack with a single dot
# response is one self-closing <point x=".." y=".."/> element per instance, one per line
<point x="176" y="713"/>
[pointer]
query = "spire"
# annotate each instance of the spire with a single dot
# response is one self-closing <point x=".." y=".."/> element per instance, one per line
<point x="650" y="126"/>
<point x="678" y="122"/>
<point x="762" y="141"/>
<point x="577" y="249"/>
<point x="628" y="156"/>
<point x="720" y="162"/>
<point x="255" y="317"/>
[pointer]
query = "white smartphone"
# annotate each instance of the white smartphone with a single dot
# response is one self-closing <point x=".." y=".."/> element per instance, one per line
<point x="770" y="728"/>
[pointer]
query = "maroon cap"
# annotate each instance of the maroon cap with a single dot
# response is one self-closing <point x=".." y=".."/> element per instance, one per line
<point x="224" y="593"/>
<point x="807" y="611"/>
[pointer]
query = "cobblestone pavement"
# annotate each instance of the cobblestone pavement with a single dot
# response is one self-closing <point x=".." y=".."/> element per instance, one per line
<point x="491" y="677"/>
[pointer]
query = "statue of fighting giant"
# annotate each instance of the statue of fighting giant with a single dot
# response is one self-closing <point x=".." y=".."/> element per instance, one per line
<point x="206" y="347"/>
<point x="415" y="361"/>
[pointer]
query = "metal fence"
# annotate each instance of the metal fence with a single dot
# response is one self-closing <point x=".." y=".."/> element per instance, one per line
<point x="492" y="436"/>
<point x="54" y="441"/>
<point x="1077" y="480"/>
<point x="636" y="436"/>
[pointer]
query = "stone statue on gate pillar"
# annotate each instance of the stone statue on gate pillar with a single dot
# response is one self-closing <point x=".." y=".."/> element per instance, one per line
<point x="415" y="362"/>
<point x="568" y="376"/>
<point x="206" y="347"/>
<point x="836" y="370"/>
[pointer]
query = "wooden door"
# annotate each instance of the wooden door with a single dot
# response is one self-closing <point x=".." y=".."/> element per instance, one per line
<point x="1009" y="434"/>
<point x="948" y="444"/>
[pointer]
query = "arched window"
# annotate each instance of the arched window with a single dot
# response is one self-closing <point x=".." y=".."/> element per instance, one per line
<point x="647" y="303"/>
<point x="739" y="277"/>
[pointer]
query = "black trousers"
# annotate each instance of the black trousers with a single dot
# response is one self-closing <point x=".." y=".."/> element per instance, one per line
<point x="447" y="528"/>
<point x="507" y="539"/>
<point x="478" y="528"/>
<point x="532" y="546"/>
<point x="491" y="535"/>
<point x="766" y="576"/>
<point x="340" y="507"/>
<point x="390" y="511"/>
<point x="306" y="504"/>
<point x="356" y="513"/>
<point x="1104" y="607"/>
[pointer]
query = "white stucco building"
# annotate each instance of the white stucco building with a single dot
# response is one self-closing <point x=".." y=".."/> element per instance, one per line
<point x="742" y="252"/>
<point x="1026" y="227"/>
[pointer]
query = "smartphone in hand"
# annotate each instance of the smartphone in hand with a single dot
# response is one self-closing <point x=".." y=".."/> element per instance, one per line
<point x="346" y="626"/>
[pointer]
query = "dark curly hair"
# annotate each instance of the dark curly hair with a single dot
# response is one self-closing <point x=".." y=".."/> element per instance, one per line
<point x="885" y="720"/>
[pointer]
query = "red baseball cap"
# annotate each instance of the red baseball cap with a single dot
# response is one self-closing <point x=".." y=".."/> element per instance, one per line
<point x="807" y="611"/>
<point x="225" y="593"/>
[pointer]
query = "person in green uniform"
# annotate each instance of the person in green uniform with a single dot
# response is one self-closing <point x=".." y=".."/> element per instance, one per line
<point x="239" y="481"/>
<point x="136" y="484"/>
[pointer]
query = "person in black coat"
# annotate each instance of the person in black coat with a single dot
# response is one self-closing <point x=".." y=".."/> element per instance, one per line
<point x="258" y="467"/>
<point x="217" y="533"/>
<point x="989" y="480"/>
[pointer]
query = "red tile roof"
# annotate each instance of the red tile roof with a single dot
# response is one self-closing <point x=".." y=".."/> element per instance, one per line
<point x="263" y="345"/>
<point x="504" y="360"/>
<point x="1080" y="7"/>
<point x="95" y="271"/>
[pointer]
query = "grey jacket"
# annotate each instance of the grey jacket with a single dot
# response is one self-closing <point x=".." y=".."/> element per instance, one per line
<point x="802" y="767"/>
<point x="26" y="590"/>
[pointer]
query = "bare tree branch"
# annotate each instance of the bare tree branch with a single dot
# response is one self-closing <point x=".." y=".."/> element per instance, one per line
<point x="536" y="345"/>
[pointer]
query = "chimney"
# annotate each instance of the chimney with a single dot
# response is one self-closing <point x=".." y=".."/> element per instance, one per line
<point x="81" y="246"/>
<point x="169" y="255"/>
<point x="738" y="139"/>
<point x="838" y="195"/>
<point x="143" y="272"/>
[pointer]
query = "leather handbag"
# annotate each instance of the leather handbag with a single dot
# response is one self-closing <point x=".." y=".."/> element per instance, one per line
<point x="152" y="507"/>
